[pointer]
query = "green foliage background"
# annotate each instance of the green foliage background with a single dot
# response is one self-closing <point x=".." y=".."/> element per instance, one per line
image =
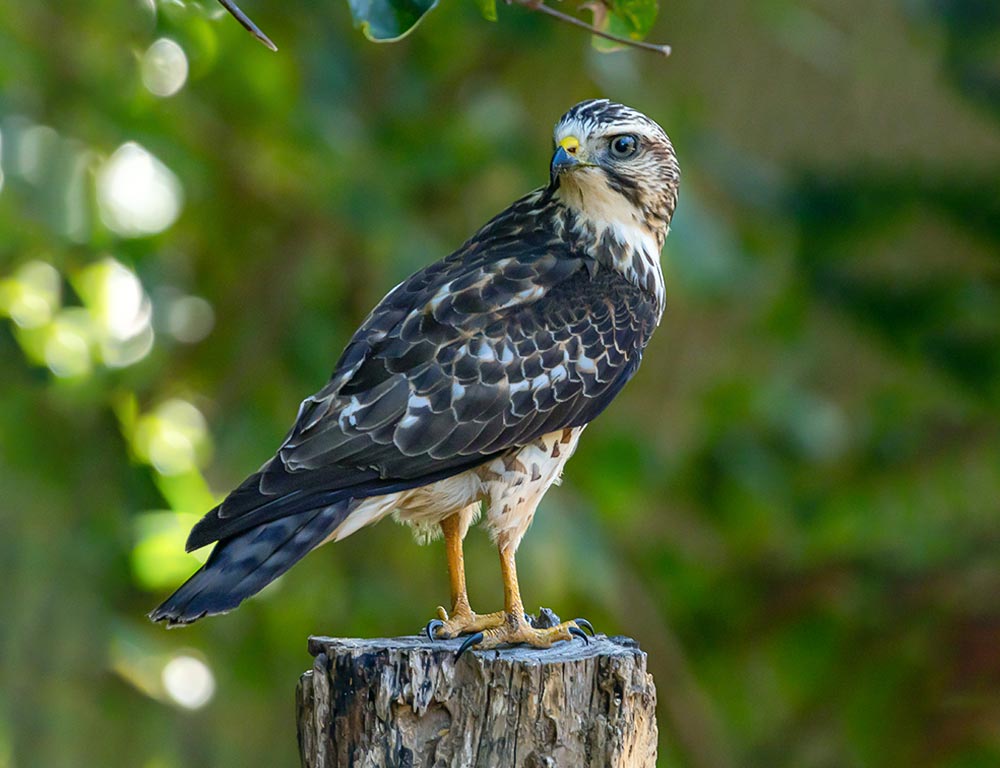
<point x="794" y="507"/>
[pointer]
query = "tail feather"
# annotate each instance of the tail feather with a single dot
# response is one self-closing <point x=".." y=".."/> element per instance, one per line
<point x="243" y="565"/>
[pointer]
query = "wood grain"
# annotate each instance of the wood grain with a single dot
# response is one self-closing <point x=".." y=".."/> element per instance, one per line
<point x="407" y="703"/>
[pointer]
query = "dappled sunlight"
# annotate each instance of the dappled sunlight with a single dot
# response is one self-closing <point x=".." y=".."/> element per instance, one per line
<point x="158" y="558"/>
<point x="114" y="327"/>
<point x="31" y="296"/>
<point x="175" y="434"/>
<point x="137" y="662"/>
<point x="182" y="678"/>
<point x="121" y="310"/>
<point x="173" y="437"/>
<point x="136" y="193"/>
<point x="35" y="147"/>
<point x="164" y="68"/>
<point x="57" y="166"/>
<point x="67" y="343"/>
<point x="188" y="681"/>
<point x="190" y="319"/>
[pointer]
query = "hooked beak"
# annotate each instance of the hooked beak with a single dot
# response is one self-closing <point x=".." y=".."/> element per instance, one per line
<point x="565" y="157"/>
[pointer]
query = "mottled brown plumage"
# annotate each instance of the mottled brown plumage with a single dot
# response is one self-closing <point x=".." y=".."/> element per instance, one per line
<point x="470" y="382"/>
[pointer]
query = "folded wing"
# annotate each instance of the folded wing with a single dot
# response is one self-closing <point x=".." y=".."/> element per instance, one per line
<point x="513" y="336"/>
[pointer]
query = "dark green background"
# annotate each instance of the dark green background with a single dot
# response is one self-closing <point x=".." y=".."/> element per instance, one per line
<point x="794" y="507"/>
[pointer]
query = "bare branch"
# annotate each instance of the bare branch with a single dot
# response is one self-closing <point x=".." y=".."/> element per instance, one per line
<point x="243" y="19"/>
<point x="534" y="5"/>
<point x="541" y="7"/>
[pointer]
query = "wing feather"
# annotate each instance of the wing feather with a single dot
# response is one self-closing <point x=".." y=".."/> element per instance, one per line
<point x="513" y="336"/>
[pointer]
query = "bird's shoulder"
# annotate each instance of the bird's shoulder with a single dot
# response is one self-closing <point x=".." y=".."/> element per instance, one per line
<point x="514" y="260"/>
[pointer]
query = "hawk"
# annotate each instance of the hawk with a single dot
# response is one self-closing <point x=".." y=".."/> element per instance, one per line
<point x="467" y="388"/>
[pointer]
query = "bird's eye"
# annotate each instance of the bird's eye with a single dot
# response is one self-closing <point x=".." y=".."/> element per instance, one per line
<point x="624" y="146"/>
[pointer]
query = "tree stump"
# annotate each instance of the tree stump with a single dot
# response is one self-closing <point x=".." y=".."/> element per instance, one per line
<point x="406" y="702"/>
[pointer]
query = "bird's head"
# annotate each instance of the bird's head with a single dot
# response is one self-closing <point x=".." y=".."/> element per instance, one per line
<point x="616" y="169"/>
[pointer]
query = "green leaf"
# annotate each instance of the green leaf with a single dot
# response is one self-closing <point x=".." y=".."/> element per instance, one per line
<point x="625" y="18"/>
<point x="384" y="21"/>
<point x="488" y="8"/>
<point x="158" y="557"/>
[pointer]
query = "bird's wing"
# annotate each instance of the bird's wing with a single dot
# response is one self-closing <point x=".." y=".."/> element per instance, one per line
<point x="508" y="339"/>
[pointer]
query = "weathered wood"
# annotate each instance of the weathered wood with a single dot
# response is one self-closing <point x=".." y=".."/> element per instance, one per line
<point x="406" y="702"/>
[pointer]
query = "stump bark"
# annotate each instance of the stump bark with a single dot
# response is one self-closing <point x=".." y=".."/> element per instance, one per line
<point x="406" y="702"/>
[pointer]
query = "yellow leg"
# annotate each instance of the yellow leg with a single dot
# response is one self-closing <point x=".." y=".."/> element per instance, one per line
<point x="462" y="619"/>
<point x="512" y="604"/>
<point x="456" y="564"/>
<point x="515" y="628"/>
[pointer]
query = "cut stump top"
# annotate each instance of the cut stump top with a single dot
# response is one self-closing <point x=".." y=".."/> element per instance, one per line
<point x="571" y="650"/>
<point x="407" y="702"/>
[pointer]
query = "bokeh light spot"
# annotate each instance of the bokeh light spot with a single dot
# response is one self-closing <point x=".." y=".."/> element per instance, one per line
<point x="67" y="346"/>
<point x="137" y="194"/>
<point x="188" y="681"/>
<point x="164" y="68"/>
<point x="127" y="309"/>
<point x="190" y="319"/>
<point x="122" y="312"/>
<point x="36" y="146"/>
<point x="158" y="557"/>
<point x="31" y="295"/>
<point x="172" y="437"/>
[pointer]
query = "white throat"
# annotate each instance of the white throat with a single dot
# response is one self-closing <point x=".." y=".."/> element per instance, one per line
<point x="609" y="215"/>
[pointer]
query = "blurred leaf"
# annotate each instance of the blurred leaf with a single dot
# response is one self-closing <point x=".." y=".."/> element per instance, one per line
<point x="186" y="493"/>
<point x="625" y="18"/>
<point x="488" y="8"/>
<point x="158" y="558"/>
<point x="385" y="21"/>
<point x="971" y="29"/>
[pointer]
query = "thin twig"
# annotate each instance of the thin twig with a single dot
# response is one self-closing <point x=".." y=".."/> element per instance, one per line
<point x="534" y="5"/>
<point x="537" y="5"/>
<point x="243" y="19"/>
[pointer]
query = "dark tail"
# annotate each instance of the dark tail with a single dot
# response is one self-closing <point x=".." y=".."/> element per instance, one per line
<point x="243" y="565"/>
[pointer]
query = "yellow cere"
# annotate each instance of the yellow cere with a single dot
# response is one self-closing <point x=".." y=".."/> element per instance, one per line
<point x="571" y="144"/>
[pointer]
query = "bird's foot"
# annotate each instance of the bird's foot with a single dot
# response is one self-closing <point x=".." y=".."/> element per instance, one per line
<point x="515" y="630"/>
<point x="463" y="621"/>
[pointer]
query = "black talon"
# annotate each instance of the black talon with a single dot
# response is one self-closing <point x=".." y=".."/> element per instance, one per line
<point x="470" y="641"/>
<point x="585" y="625"/>
<point x="433" y="626"/>
<point x="577" y="632"/>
